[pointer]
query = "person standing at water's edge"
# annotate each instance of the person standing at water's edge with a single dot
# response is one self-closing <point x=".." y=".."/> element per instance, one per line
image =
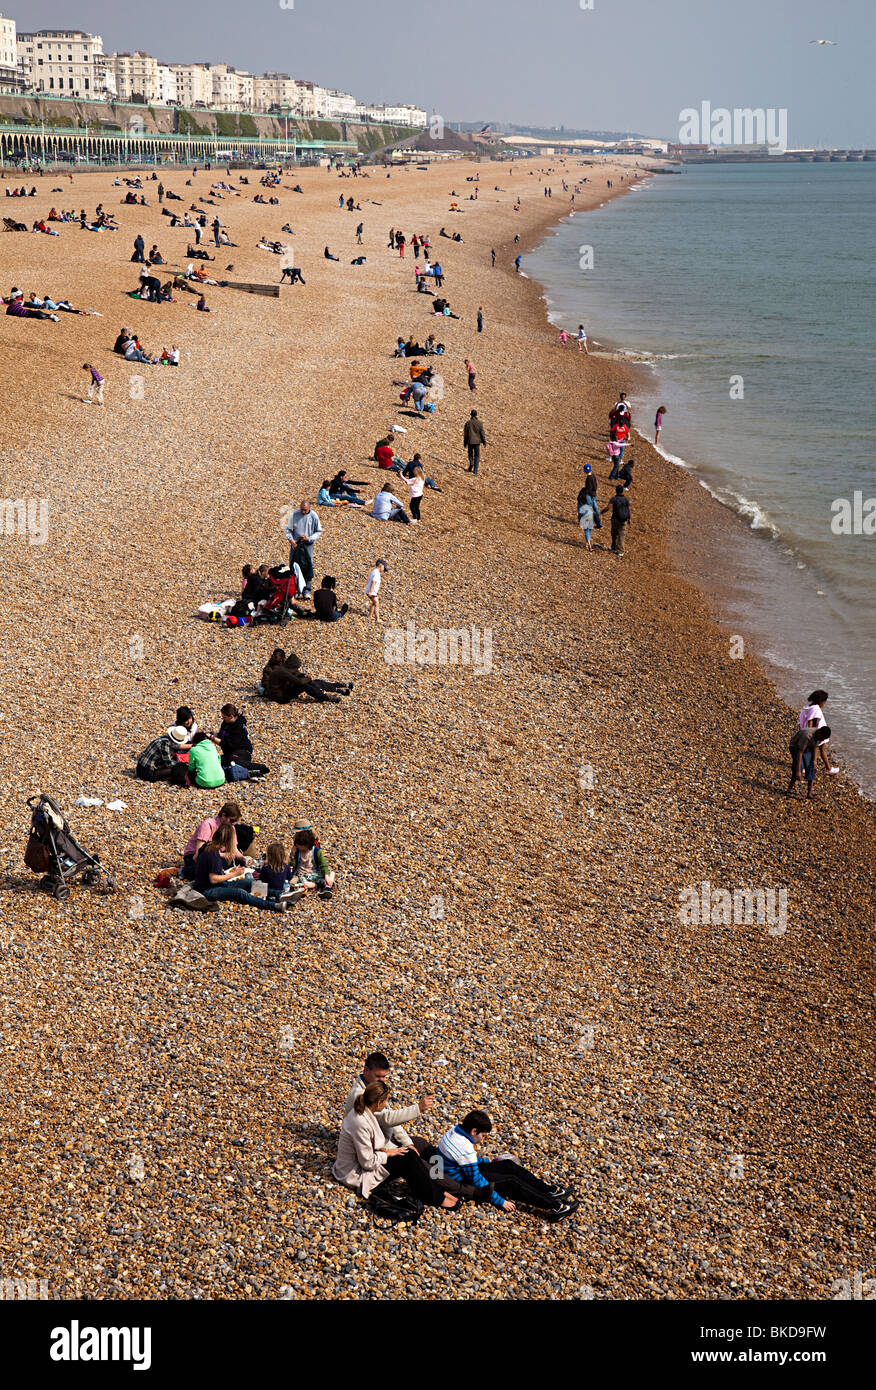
<point x="582" y="340"/>
<point x="658" y="423"/>
<point x="474" y="438"/>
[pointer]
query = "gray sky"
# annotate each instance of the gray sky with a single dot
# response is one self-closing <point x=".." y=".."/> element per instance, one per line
<point x="624" y="65"/>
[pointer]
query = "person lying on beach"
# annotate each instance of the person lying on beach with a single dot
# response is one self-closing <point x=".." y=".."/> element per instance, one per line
<point x="62" y="306"/>
<point x="16" y="307"/>
<point x="802" y="749"/>
<point x="219" y="879"/>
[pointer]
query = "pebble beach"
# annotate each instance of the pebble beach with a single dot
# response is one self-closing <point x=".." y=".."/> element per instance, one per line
<point x="512" y="838"/>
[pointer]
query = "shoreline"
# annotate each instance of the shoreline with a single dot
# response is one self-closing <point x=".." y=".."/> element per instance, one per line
<point x="511" y="846"/>
<point x="740" y="524"/>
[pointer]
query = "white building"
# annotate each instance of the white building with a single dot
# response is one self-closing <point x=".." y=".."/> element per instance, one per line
<point x="194" y="84"/>
<point x="167" y="85"/>
<point x="136" y="77"/>
<point x="232" y="88"/>
<point x="338" y="106"/>
<point x="61" y="61"/>
<point x="10" y="78"/>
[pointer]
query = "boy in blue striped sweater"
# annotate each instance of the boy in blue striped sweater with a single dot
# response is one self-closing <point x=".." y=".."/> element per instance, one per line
<point x="502" y="1182"/>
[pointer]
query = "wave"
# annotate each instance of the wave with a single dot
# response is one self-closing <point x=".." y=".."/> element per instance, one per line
<point x="758" y="517"/>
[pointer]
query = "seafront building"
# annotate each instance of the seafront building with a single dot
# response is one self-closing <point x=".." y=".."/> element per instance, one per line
<point x="72" y="63"/>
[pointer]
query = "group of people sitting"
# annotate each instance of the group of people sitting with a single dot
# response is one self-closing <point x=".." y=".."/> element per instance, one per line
<point x="128" y="345"/>
<point x="186" y="756"/>
<point x="20" y="192"/>
<point x="431" y="348"/>
<point x="284" y="679"/>
<point x="216" y="863"/>
<point x="374" y="1148"/>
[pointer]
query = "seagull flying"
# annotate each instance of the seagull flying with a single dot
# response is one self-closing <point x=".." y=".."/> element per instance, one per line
<point x="824" y="41"/>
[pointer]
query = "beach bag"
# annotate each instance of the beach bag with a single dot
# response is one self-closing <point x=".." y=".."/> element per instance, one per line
<point x="393" y="1202"/>
<point x="36" y="856"/>
<point x="188" y="897"/>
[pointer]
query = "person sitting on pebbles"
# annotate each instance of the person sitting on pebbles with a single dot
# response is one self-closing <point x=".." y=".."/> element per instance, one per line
<point x="284" y="679"/>
<point x="308" y="863"/>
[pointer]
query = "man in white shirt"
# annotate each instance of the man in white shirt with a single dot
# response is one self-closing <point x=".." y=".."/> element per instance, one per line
<point x="372" y="591"/>
<point x="303" y="529"/>
<point x="376" y="1068"/>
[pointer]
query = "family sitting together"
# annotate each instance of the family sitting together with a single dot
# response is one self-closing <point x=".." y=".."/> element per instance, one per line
<point x="215" y="862"/>
<point x="185" y="756"/>
<point x="373" y="1149"/>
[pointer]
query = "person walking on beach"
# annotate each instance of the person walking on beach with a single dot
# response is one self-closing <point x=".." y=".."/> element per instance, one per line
<point x="658" y="423"/>
<point x="470" y="368"/>
<point x="620" y="519"/>
<point x="492" y="259"/>
<point x="480" y="320"/>
<point x="474" y="438"/>
<point x="359" y="230"/>
<point x="517" y="260"/>
<point x="95" y="385"/>
<point x="563" y="337"/>
<point x="590" y="488"/>
<point x="587" y="515"/>
<point x="372" y="589"/>
<point x="582" y="340"/>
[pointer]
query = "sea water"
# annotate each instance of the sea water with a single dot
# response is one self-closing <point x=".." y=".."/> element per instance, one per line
<point x="749" y="291"/>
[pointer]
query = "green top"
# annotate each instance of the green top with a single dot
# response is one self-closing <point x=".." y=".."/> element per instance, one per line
<point x="205" y="765"/>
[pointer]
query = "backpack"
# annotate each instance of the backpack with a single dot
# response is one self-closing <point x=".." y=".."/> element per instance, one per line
<point x="622" y="508"/>
<point x="393" y="1202"/>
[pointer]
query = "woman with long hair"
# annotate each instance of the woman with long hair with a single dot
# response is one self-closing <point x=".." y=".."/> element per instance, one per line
<point x="363" y="1163"/>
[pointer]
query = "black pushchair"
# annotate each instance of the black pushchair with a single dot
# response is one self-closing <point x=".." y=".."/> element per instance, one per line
<point x="53" y="851"/>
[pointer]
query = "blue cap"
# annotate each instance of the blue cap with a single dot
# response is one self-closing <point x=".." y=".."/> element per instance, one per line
<point x="587" y="468"/>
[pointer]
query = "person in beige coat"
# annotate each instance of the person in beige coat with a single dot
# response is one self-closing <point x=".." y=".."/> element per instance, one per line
<point x="376" y="1068"/>
<point x="364" y="1161"/>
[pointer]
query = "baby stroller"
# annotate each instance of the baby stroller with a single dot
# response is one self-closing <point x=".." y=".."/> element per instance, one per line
<point x="278" y="607"/>
<point x="53" y="852"/>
